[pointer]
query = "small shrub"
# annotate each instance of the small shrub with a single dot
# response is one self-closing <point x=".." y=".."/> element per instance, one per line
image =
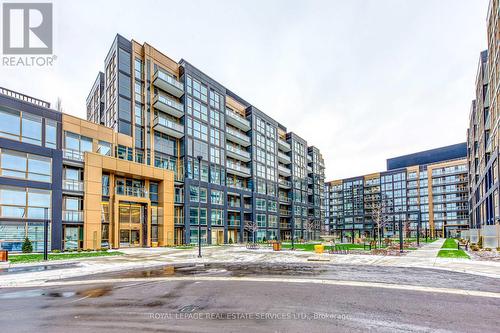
<point x="56" y="251"/>
<point x="27" y="246"/>
<point x="480" y="242"/>
<point x="498" y="249"/>
<point x="230" y="241"/>
<point x="89" y="250"/>
<point x="474" y="248"/>
<point x="79" y="250"/>
<point x="264" y="239"/>
<point x="104" y="249"/>
<point x="487" y="249"/>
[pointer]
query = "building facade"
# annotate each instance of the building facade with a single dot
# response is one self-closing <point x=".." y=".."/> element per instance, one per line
<point x="482" y="140"/>
<point x="166" y="151"/>
<point x="233" y="164"/>
<point x="429" y="187"/>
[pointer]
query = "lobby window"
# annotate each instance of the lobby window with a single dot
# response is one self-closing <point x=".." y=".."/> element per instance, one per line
<point x="50" y="134"/>
<point x="25" y="166"/>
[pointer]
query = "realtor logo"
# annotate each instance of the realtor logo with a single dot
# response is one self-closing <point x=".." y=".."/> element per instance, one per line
<point x="27" y="28"/>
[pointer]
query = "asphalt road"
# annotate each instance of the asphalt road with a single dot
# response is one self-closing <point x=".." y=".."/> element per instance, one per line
<point x="194" y="304"/>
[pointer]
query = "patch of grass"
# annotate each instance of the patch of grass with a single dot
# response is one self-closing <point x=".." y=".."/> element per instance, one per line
<point x="449" y="243"/>
<point x="310" y="246"/>
<point x="453" y="254"/>
<point x="35" y="257"/>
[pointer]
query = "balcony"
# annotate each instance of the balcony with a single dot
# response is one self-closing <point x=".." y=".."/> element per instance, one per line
<point x="309" y="169"/>
<point x="237" y="120"/>
<point x="238" y="169"/>
<point x="283" y="145"/>
<point x="233" y="223"/>
<point x="168" y="127"/>
<point x="283" y="158"/>
<point x="73" y="155"/>
<point x="72" y="215"/>
<point x="284" y="183"/>
<point x="237" y="137"/>
<point x="72" y="185"/>
<point x="285" y="212"/>
<point x="283" y="170"/>
<point x="285" y="200"/>
<point x="285" y="226"/>
<point x="130" y="191"/>
<point x="168" y="105"/>
<point x="167" y="82"/>
<point x="237" y="153"/>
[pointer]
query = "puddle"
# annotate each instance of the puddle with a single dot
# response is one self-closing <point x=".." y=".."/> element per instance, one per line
<point x="95" y="292"/>
<point x="36" y="293"/>
<point x="222" y="269"/>
<point x="38" y="268"/>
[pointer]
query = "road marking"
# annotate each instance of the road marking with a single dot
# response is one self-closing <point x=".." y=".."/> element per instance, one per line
<point x="276" y="280"/>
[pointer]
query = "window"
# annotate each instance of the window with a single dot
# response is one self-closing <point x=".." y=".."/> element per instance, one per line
<point x="215" y="99"/>
<point x="260" y="204"/>
<point x="261" y="220"/>
<point x="203" y="195"/>
<point x="26" y="166"/>
<point x="32" y="129"/>
<point x="20" y="202"/>
<point x="10" y="124"/>
<point x="216" y="217"/>
<point x="50" y="134"/>
<point x="124" y="153"/>
<point x="124" y="61"/>
<point x="104" y="148"/>
<point x="197" y="109"/>
<point x="215" y="119"/>
<point x="200" y="130"/>
<point x="216" y="197"/>
<point x="193" y="193"/>
<point x="194" y="218"/>
<point x="196" y="89"/>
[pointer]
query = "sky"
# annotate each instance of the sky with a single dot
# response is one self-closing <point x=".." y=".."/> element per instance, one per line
<point x="361" y="80"/>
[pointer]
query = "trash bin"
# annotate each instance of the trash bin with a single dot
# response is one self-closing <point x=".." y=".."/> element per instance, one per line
<point x="319" y="248"/>
<point x="4" y="255"/>
<point x="276" y="246"/>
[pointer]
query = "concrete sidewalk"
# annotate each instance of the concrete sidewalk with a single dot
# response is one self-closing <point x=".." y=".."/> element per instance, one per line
<point x="149" y="257"/>
<point x="429" y="250"/>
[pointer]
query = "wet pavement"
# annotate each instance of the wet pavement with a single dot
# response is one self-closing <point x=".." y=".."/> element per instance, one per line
<point x="377" y="274"/>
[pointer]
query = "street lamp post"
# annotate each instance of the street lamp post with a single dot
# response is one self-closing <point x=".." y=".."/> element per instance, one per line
<point x="45" y="234"/>
<point x="419" y="227"/>
<point x="400" y="224"/>
<point x="199" y="157"/>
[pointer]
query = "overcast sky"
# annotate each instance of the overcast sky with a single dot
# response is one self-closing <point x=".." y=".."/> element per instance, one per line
<point x="361" y="80"/>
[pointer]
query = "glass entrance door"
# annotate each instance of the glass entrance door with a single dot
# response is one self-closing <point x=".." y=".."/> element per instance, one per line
<point x="131" y="217"/>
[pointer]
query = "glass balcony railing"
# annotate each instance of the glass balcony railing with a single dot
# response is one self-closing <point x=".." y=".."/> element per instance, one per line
<point x="237" y="134"/>
<point x="71" y="154"/>
<point x="284" y="169"/>
<point x="238" y="151"/>
<point x="169" y="124"/>
<point x="72" y="215"/>
<point x="238" y="167"/>
<point x="170" y="102"/>
<point x="169" y="79"/>
<point x="285" y="182"/>
<point x="131" y="191"/>
<point x="236" y="116"/>
<point x="72" y="185"/>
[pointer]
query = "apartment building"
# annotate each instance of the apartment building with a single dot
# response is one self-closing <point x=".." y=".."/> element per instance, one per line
<point x="482" y="140"/>
<point x="428" y="188"/>
<point x="233" y="164"/>
<point x="30" y="171"/>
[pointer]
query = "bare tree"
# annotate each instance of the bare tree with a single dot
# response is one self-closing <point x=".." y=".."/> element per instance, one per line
<point x="310" y="226"/>
<point x="59" y="104"/>
<point x="380" y="217"/>
<point x="251" y="226"/>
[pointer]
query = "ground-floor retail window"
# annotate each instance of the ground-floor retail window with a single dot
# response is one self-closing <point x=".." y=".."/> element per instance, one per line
<point x="13" y="234"/>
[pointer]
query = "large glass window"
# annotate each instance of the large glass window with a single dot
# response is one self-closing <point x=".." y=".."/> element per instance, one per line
<point x="216" y="216"/>
<point x="20" y="202"/>
<point x="10" y="124"/>
<point x="25" y="166"/>
<point x="50" y="134"/>
<point x="32" y="129"/>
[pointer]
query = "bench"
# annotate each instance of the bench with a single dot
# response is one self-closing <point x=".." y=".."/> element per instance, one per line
<point x="252" y="246"/>
<point x="369" y="245"/>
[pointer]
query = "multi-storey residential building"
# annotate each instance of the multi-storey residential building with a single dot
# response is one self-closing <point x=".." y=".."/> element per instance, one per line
<point x="429" y="186"/>
<point x="482" y="140"/>
<point x="165" y="149"/>
<point x="30" y="171"/>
